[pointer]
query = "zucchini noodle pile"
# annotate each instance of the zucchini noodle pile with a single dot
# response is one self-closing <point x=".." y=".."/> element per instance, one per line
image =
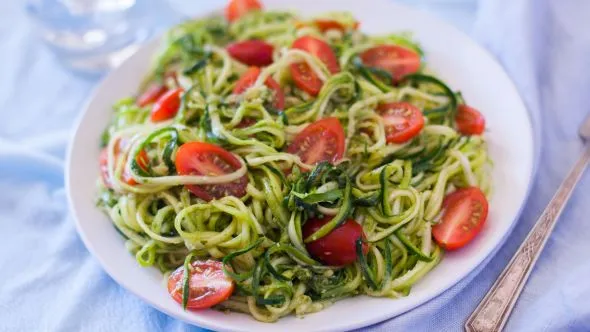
<point x="395" y="191"/>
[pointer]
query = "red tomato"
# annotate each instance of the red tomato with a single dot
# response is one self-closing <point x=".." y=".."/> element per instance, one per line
<point x="251" y="52"/>
<point x="166" y="106"/>
<point x="248" y="79"/>
<point x="338" y="248"/>
<point x="319" y="49"/>
<point x="200" y="158"/>
<point x="142" y="160"/>
<point x="469" y="120"/>
<point x="402" y="121"/>
<point x="246" y="122"/>
<point x="464" y="213"/>
<point x="151" y="94"/>
<point x="208" y="285"/>
<point x="237" y="8"/>
<point x="398" y="61"/>
<point x="322" y="140"/>
<point x="303" y="76"/>
<point x="104" y="168"/>
<point x="325" y="25"/>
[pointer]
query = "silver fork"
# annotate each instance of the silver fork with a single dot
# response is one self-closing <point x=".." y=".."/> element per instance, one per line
<point x="493" y="311"/>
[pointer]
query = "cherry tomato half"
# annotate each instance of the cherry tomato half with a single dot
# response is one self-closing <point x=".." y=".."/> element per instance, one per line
<point x="322" y="140"/>
<point x="402" y="121"/>
<point x="464" y="213"/>
<point x="200" y="158"/>
<point x="338" y="248"/>
<point x="326" y="24"/>
<point x="305" y="79"/>
<point x="103" y="160"/>
<point x="142" y="161"/>
<point x="246" y="122"/>
<point x="469" y="120"/>
<point x="397" y="60"/>
<point x="166" y="106"/>
<point x="151" y="94"/>
<point x="251" y="52"/>
<point x="237" y="8"/>
<point x="208" y="285"/>
<point x="319" y="49"/>
<point x="248" y="79"/>
<point x="302" y="74"/>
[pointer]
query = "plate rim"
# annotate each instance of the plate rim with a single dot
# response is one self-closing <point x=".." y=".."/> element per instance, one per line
<point x="474" y="271"/>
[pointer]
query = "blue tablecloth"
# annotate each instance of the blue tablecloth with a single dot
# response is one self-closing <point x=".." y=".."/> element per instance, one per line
<point x="48" y="281"/>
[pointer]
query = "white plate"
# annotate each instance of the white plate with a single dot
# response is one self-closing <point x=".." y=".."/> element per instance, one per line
<point x="457" y="59"/>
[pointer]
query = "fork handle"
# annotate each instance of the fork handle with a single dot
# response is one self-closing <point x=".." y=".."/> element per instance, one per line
<point x="493" y="311"/>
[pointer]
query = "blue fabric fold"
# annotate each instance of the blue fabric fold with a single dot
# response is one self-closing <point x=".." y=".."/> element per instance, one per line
<point x="49" y="281"/>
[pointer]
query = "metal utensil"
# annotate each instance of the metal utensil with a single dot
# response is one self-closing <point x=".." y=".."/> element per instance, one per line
<point x="494" y="310"/>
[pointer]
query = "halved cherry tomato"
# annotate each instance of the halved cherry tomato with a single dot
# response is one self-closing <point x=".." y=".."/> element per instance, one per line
<point x="250" y="76"/>
<point x="464" y="213"/>
<point x="279" y="95"/>
<point x="319" y="49"/>
<point x="167" y="106"/>
<point x="142" y="161"/>
<point x="246" y="122"/>
<point x="208" y="285"/>
<point x="251" y="52"/>
<point x="326" y="24"/>
<point x="237" y="8"/>
<point x="338" y="248"/>
<point x="103" y="160"/>
<point x="397" y="60"/>
<point x="402" y="121"/>
<point x="469" y="120"/>
<point x="322" y="140"/>
<point x="200" y="158"/>
<point x="303" y="76"/>
<point x="151" y="94"/>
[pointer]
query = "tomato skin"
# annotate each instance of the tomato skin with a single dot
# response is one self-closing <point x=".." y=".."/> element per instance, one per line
<point x="248" y="79"/>
<point x="104" y="168"/>
<point x="151" y="94"/>
<point x="322" y="140"/>
<point x="319" y="49"/>
<point x="208" y="285"/>
<point x="246" y="122"/>
<point x="397" y="60"/>
<point x="279" y="95"/>
<point x="464" y="214"/>
<point x="142" y="161"/>
<point x="237" y="8"/>
<point x="251" y="52"/>
<point x="338" y="248"/>
<point x="325" y="25"/>
<point x="200" y="158"/>
<point x="166" y="106"/>
<point x="469" y="120"/>
<point x="303" y="76"/>
<point x="402" y="120"/>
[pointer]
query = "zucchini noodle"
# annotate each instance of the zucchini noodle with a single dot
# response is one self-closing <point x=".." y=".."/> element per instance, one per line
<point x="394" y="191"/>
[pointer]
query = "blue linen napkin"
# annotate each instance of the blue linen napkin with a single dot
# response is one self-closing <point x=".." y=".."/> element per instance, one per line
<point x="49" y="282"/>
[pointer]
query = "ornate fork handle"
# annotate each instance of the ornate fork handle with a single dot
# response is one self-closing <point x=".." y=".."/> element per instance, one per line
<point x="495" y="308"/>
